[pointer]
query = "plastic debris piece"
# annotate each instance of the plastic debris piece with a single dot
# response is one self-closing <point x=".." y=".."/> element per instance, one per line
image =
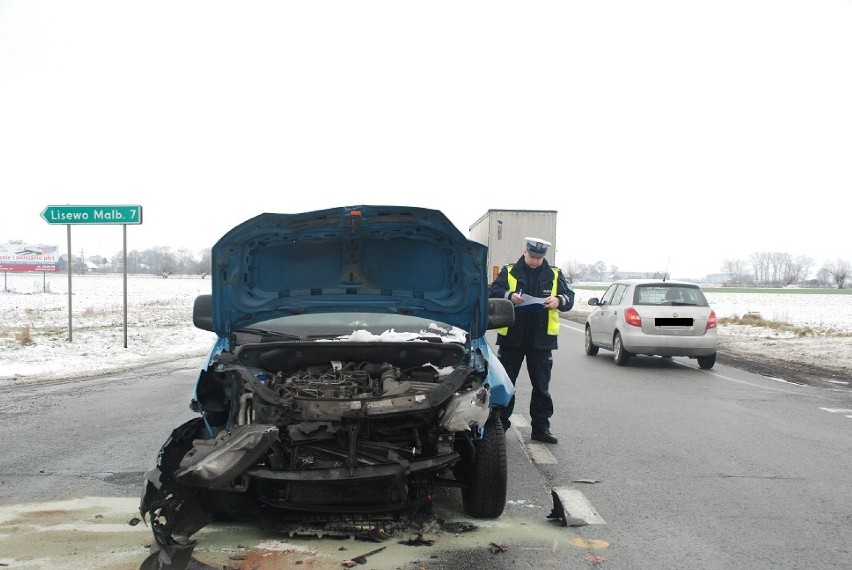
<point x="558" y="513"/>
<point x="363" y="558"/>
<point x="458" y="527"/>
<point x="417" y="541"/>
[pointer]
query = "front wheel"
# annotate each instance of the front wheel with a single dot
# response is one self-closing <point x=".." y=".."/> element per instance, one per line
<point x="484" y="494"/>
<point x="707" y="362"/>
<point x="621" y="356"/>
<point x="591" y="349"/>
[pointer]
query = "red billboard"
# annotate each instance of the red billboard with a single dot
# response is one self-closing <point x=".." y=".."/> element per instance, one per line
<point x="28" y="257"/>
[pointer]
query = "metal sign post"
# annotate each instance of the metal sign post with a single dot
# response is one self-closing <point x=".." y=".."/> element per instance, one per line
<point x="70" y="328"/>
<point x="71" y="215"/>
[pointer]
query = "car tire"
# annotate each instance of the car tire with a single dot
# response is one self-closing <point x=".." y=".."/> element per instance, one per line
<point x="621" y="356"/>
<point x="707" y="362"/>
<point x="484" y="494"/>
<point x="591" y="349"/>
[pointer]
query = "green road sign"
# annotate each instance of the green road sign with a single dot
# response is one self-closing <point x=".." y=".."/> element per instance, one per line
<point x="93" y="214"/>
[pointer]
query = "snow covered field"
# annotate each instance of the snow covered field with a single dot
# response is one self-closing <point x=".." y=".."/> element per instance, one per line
<point x="818" y="311"/>
<point x="159" y="321"/>
<point x="159" y="324"/>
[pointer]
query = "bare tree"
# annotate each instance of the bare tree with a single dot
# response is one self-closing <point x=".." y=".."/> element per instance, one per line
<point x="205" y="264"/>
<point x="185" y="263"/>
<point x="571" y="269"/>
<point x="760" y="266"/>
<point x="778" y="261"/>
<point x="735" y="269"/>
<point x="796" y="270"/>
<point x="774" y="268"/>
<point x="805" y="262"/>
<point x="823" y="277"/>
<point x="159" y="260"/>
<point x="584" y="272"/>
<point x="600" y="270"/>
<point x="839" y="271"/>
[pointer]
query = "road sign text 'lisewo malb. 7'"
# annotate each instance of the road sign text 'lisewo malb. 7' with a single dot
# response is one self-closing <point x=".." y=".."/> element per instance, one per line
<point x="124" y="214"/>
<point x="116" y="215"/>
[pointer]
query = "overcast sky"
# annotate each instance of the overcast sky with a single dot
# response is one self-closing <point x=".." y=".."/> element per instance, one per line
<point x="677" y="133"/>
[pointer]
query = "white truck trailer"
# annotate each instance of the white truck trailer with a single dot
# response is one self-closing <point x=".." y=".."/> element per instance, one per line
<point x="503" y="231"/>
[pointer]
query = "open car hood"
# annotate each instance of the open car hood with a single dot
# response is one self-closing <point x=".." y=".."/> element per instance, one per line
<point x="383" y="259"/>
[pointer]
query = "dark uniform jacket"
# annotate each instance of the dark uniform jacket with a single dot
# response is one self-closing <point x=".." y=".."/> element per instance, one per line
<point x="530" y="327"/>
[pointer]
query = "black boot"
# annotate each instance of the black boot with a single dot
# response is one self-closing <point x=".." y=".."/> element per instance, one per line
<point x="544" y="437"/>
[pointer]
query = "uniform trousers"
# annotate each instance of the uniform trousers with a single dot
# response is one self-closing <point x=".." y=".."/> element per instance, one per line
<point x="539" y="368"/>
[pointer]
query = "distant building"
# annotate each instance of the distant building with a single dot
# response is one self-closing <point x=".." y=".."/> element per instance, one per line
<point x="636" y="275"/>
<point x="716" y="278"/>
<point x="96" y="267"/>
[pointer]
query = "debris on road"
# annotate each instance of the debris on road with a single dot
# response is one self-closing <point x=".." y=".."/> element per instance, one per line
<point x="362" y="559"/>
<point x="459" y="527"/>
<point x="558" y="514"/>
<point x="417" y="541"/>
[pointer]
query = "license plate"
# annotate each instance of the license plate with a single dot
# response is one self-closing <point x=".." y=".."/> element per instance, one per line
<point x="673" y="322"/>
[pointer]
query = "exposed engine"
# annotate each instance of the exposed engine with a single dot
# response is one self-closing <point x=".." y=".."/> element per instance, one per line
<point x="333" y="391"/>
<point x="348" y="381"/>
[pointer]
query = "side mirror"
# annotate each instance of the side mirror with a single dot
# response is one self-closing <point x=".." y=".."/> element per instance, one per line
<point x="594" y="301"/>
<point x="202" y="312"/>
<point x="501" y="313"/>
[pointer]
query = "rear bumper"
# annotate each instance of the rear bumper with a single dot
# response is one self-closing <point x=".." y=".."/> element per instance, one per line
<point x="670" y="345"/>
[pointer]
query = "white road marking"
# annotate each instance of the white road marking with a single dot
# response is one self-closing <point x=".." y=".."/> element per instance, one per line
<point x="717" y="375"/>
<point x="577" y="505"/>
<point x="519" y="421"/>
<point x="729" y="379"/>
<point x="573" y="501"/>
<point x="537" y="453"/>
<point x="745" y="383"/>
<point x="837" y="410"/>
<point x="540" y="454"/>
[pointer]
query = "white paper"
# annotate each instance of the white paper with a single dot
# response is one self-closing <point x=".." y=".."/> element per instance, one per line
<point x="530" y="300"/>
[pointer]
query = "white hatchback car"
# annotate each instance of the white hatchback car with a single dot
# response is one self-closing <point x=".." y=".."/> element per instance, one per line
<point x="653" y="317"/>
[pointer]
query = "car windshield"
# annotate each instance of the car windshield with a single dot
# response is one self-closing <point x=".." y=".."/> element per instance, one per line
<point x="665" y="294"/>
<point x="361" y="327"/>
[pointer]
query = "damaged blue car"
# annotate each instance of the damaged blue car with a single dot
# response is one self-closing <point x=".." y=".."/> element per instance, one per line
<point x="350" y="376"/>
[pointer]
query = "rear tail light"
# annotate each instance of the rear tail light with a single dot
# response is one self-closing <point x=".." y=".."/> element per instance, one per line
<point x="631" y="317"/>
<point x="711" y="320"/>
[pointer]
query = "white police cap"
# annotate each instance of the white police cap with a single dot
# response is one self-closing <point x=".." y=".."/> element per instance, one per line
<point x="537" y="247"/>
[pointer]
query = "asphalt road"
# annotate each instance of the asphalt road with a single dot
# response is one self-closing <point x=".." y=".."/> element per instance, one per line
<point x="704" y="469"/>
<point x="671" y="466"/>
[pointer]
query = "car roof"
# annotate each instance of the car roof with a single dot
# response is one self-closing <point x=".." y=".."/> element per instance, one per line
<point x="655" y="282"/>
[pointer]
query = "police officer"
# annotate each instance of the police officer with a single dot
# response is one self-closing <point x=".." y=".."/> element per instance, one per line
<point x="539" y="292"/>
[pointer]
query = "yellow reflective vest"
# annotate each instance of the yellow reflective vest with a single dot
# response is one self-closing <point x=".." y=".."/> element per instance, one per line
<point x="553" y="316"/>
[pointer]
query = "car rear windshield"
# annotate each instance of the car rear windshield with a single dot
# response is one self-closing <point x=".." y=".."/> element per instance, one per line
<point x="669" y="295"/>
